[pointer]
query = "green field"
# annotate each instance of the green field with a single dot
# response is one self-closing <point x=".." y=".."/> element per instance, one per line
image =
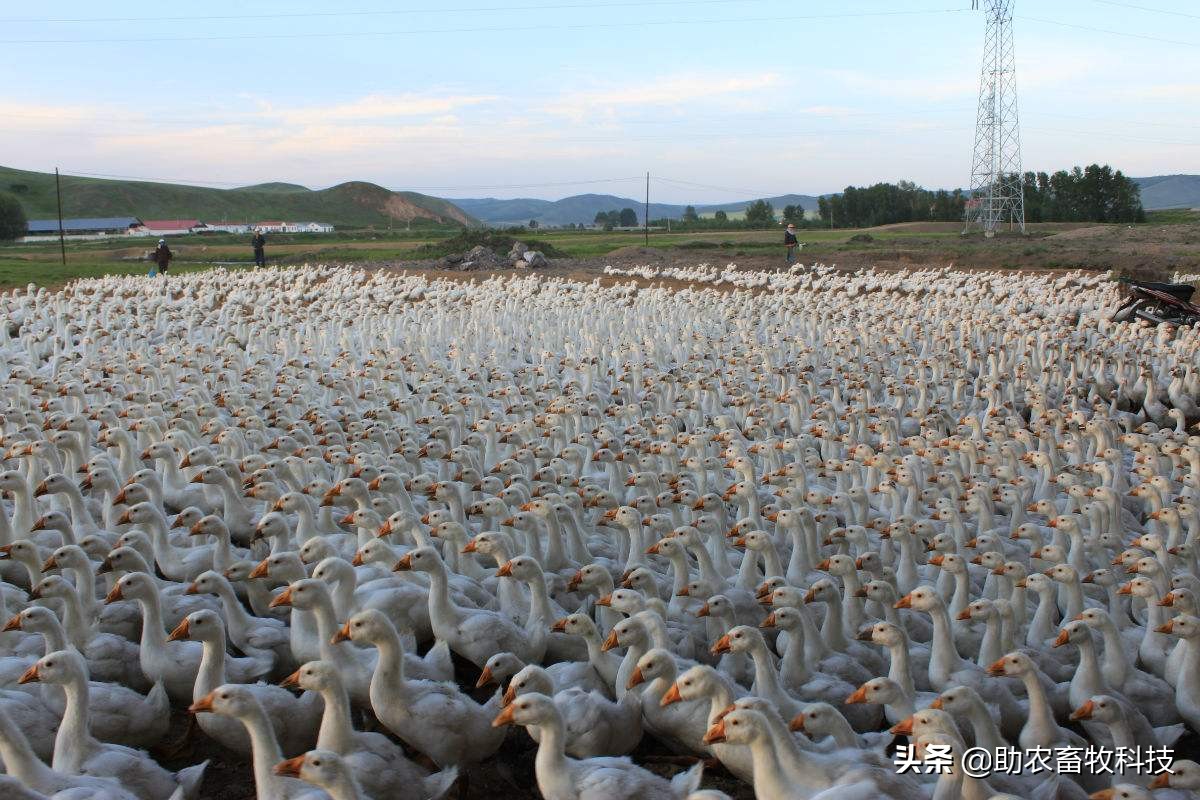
<point x="1167" y="242"/>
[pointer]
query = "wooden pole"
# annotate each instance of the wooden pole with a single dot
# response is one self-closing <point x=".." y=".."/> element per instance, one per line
<point x="62" y="241"/>
<point x="647" y="209"/>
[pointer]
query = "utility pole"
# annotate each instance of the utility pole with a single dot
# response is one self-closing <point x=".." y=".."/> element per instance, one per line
<point x="62" y="241"/>
<point x="997" y="192"/>
<point x="647" y="230"/>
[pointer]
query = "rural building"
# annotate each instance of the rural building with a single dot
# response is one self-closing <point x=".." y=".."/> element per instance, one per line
<point x="86" y="226"/>
<point x="294" y="227"/>
<point x="171" y="227"/>
<point x="230" y="227"/>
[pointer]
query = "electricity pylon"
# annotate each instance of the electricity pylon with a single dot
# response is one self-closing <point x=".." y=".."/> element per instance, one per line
<point x="996" y="189"/>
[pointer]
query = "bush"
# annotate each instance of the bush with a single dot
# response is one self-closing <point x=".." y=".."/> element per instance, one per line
<point x="12" y="218"/>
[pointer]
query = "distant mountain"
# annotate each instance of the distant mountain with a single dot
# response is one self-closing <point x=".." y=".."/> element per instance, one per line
<point x="1170" y="191"/>
<point x="355" y="204"/>
<point x="582" y="208"/>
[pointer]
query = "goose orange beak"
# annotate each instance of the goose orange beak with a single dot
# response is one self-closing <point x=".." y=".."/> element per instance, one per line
<point x="715" y="734"/>
<point x="996" y="670"/>
<point x="1161" y="781"/>
<point x="704" y="611"/>
<point x="13" y="624"/>
<point x="505" y="570"/>
<point x="769" y="622"/>
<point x="559" y="626"/>
<point x="469" y="547"/>
<point x="904" y="602"/>
<point x="29" y="676"/>
<point x="284" y="598"/>
<point x="672" y="696"/>
<point x="859" y="695"/>
<point x="262" y="570"/>
<point x="937" y="560"/>
<point x="51" y="563"/>
<point x="124" y="519"/>
<point x="182" y="631"/>
<point x="291" y="681"/>
<point x="203" y="704"/>
<point x="1126" y="588"/>
<point x="485" y="678"/>
<point x="723" y="645"/>
<point x="810" y="596"/>
<point x="384" y="530"/>
<point x="114" y="595"/>
<point x="636" y="679"/>
<point x="1020" y="584"/>
<point x="937" y="703"/>
<point x="1167" y="628"/>
<point x="606" y="600"/>
<point x="964" y="614"/>
<point x="1085" y="711"/>
<point x="357" y="561"/>
<point x="510" y="694"/>
<point x="611" y="642"/>
<point x="797" y="723"/>
<point x="903" y="728"/>
<point x="505" y="717"/>
<point x="404" y="564"/>
<point x="1103" y="794"/>
<point x="1168" y="600"/>
<point x="290" y="768"/>
<point x="348" y="519"/>
<point x="1062" y="638"/>
<point x="342" y="634"/>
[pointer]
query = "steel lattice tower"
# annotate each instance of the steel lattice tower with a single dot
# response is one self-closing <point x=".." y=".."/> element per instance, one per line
<point x="996" y="191"/>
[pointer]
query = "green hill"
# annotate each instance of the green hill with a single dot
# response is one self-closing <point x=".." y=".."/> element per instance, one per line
<point x="355" y="204"/>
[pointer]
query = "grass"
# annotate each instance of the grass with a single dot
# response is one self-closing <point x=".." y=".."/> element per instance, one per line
<point x="1173" y="216"/>
<point x="39" y="263"/>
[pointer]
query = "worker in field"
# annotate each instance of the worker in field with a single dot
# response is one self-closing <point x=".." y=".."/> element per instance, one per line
<point x="162" y="258"/>
<point x="791" y="243"/>
<point x="259" y="243"/>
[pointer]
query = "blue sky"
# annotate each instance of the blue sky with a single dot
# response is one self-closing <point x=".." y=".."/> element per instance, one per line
<point x="508" y="98"/>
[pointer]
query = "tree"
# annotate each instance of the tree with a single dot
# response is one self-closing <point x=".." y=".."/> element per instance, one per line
<point x="721" y="216"/>
<point x="12" y="218"/>
<point x="793" y="213"/>
<point x="533" y="223"/>
<point x="760" y="213"/>
<point x="690" y="215"/>
<point x="627" y="218"/>
<point x="601" y="218"/>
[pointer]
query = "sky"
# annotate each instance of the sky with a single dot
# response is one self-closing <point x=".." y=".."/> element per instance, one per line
<point x="719" y="100"/>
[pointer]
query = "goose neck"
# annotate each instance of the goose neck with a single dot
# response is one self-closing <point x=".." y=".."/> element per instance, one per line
<point x="336" y="732"/>
<point x="71" y="742"/>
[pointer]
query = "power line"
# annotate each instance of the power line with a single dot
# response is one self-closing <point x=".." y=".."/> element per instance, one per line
<point x="1105" y="30"/>
<point x="486" y="29"/>
<point x="1147" y="8"/>
<point x="369" y="13"/>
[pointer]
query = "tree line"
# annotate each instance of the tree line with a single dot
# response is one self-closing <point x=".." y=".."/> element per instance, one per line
<point x="1084" y="194"/>
<point x="623" y="218"/>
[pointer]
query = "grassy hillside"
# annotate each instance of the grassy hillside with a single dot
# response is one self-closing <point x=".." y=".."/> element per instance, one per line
<point x="355" y="204"/>
<point x="1170" y="191"/>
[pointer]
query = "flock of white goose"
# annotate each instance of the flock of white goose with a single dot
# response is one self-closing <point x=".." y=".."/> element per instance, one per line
<point x="359" y="523"/>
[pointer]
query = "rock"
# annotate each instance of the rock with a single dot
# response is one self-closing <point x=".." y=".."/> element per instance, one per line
<point x="454" y="258"/>
<point x="535" y="260"/>
<point x="518" y="250"/>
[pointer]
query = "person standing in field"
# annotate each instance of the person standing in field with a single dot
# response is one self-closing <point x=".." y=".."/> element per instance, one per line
<point x="162" y="258"/>
<point x="791" y="243"/>
<point x="259" y="243"/>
